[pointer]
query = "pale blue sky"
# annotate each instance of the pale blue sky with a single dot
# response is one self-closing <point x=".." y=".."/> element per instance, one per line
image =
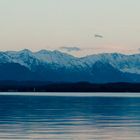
<point x="51" y="24"/>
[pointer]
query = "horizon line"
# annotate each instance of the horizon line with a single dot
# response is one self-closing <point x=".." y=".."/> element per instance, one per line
<point x="57" y="50"/>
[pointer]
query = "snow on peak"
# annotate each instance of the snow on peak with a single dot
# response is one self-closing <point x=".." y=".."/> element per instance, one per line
<point x="125" y="63"/>
<point x="54" y="57"/>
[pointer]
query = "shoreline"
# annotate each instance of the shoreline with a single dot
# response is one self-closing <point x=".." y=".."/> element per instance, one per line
<point x="72" y="94"/>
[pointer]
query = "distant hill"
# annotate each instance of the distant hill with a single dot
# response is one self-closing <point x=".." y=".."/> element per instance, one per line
<point x="31" y="86"/>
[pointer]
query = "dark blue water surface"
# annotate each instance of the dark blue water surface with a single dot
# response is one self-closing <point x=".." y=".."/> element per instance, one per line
<point x="69" y="118"/>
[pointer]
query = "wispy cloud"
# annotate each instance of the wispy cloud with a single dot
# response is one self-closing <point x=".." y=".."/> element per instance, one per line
<point x="98" y="36"/>
<point x="70" y="49"/>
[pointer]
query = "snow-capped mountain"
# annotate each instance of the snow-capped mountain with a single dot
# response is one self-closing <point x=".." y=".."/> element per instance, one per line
<point x="57" y="66"/>
<point x="24" y="57"/>
<point x="57" y="58"/>
<point x="124" y="63"/>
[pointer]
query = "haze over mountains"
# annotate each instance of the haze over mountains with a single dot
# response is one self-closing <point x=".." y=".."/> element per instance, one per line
<point x="55" y="66"/>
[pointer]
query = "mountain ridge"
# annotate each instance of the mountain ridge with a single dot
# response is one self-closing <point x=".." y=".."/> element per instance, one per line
<point x="62" y="67"/>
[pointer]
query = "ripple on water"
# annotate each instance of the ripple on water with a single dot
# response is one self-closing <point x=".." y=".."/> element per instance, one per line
<point x="69" y="118"/>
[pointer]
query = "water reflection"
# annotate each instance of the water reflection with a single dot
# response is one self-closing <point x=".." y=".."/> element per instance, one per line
<point x="69" y="118"/>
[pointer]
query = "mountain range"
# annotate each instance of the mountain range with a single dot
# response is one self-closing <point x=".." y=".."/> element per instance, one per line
<point x="55" y="66"/>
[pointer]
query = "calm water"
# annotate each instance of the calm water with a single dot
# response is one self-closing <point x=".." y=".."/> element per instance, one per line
<point x="69" y="118"/>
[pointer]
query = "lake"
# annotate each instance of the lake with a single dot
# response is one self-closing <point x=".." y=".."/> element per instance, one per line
<point x="70" y="117"/>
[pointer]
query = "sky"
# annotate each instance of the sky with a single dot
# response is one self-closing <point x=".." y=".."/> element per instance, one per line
<point x="70" y="25"/>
